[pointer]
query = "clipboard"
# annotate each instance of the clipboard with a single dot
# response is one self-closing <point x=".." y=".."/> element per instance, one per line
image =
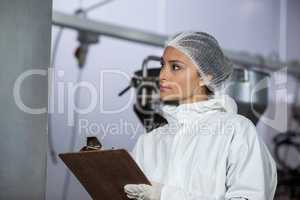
<point x="103" y="173"/>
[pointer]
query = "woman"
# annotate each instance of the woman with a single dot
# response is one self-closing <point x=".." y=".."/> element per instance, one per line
<point x="207" y="150"/>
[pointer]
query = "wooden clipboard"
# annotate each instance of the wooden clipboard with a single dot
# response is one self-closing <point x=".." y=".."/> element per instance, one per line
<point x="103" y="173"/>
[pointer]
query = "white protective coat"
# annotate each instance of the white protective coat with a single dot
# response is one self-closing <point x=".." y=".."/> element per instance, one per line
<point x="207" y="152"/>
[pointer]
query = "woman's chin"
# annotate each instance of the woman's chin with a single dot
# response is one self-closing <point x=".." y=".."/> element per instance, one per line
<point x="169" y="99"/>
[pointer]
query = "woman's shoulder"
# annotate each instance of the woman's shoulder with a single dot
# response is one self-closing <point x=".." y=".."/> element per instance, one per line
<point x="245" y="129"/>
<point x="239" y="124"/>
<point x="234" y="118"/>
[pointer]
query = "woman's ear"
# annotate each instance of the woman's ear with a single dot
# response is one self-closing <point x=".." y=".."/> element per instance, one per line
<point x="202" y="82"/>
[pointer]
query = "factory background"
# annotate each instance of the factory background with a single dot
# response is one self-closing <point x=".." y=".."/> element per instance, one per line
<point x="264" y="29"/>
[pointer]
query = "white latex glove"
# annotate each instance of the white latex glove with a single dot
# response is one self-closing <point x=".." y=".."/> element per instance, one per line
<point x="143" y="191"/>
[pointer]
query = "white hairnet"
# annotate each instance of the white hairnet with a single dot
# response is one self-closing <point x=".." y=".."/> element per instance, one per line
<point x="205" y="52"/>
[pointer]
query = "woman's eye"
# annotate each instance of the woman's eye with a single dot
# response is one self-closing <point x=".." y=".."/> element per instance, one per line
<point x="175" y="67"/>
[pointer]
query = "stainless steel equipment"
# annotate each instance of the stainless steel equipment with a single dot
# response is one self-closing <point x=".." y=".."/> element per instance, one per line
<point x="250" y="90"/>
<point x="146" y="84"/>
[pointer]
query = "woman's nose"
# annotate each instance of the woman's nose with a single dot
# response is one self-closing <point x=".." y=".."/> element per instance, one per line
<point x="163" y="75"/>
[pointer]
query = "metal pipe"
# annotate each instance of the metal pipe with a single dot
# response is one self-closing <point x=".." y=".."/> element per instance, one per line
<point x="158" y="40"/>
<point x="106" y="29"/>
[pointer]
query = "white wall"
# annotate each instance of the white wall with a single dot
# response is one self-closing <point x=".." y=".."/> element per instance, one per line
<point x="293" y="29"/>
<point x="251" y="26"/>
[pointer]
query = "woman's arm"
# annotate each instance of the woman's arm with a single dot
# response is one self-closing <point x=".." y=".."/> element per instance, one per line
<point x="137" y="152"/>
<point x="251" y="170"/>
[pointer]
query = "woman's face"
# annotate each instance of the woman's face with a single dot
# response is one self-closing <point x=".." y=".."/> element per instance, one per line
<point x="179" y="78"/>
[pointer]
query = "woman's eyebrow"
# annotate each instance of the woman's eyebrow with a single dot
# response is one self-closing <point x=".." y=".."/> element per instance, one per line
<point x="171" y="61"/>
<point x="178" y="61"/>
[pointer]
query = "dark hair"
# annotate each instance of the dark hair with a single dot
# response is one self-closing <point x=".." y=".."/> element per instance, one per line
<point x="208" y="91"/>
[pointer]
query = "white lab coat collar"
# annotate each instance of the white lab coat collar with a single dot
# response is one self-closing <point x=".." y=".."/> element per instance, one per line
<point x="183" y="112"/>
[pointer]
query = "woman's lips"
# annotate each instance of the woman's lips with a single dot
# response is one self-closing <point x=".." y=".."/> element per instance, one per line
<point x="163" y="88"/>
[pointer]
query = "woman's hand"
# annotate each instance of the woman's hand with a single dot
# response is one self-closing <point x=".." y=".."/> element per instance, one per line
<point x="143" y="191"/>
